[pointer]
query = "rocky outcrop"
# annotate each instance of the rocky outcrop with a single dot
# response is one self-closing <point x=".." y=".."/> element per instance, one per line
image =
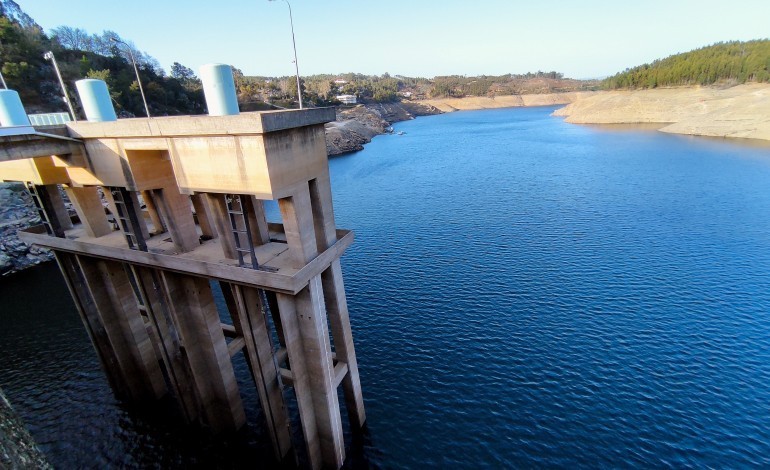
<point x="17" y="212"/>
<point x="17" y="448"/>
<point x="357" y="126"/>
<point x="740" y="111"/>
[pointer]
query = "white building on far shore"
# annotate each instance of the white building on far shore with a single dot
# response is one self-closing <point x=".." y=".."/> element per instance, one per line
<point x="346" y="99"/>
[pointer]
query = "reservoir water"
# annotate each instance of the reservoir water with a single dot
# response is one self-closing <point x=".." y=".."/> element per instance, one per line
<point x="523" y="293"/>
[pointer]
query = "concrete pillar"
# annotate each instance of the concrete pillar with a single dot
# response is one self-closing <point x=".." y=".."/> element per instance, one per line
<point x="203" y="213"/>
<point x="251" y="324"/>
<point x="222" y="222"/>
<point x="195" y="315"/>
<point x="307" y="341"/>
<point x="336" y="302"/>
<point x="178" y="218"/>
<point x="88" y="206"/>
<point x="177" y="369"/>
<point x="110" y="291"/>
<point x="76" y="283"/>
<point x="153" y="212"/>
<point x="60" y="210"/>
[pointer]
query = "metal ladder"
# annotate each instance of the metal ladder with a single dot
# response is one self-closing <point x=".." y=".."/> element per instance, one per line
<point x="44" y="207"/>
<point x="236" y="213"/>
<point x="126" y="215"/>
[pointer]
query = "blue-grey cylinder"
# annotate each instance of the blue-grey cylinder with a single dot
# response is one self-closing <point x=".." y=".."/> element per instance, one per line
<point x="95" y="97"/>
<point x="219" y="89"/>
<point x="11" y="110"/>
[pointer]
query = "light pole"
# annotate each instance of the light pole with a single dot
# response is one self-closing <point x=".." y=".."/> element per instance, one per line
<point x="136" y="70"/>
<point x="294" y="43"/>
<point x="2" y="79"/>
<point x="49" y="56"/>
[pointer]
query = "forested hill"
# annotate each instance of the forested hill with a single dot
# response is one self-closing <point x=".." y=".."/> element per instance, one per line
<point x="731" y="63"/>
<point x="80" y="55"/>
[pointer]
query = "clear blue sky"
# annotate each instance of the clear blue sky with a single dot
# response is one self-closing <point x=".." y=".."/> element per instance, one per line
<point x="583" y="39"/>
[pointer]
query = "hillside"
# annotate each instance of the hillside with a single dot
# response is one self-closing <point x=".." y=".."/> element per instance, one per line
<point x="81" y="55"/>
<point x="731" y="63"/>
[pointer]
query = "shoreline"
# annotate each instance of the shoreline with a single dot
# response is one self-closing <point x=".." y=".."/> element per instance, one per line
<point x="739" y="112"/>
<point x="358" y="125"/>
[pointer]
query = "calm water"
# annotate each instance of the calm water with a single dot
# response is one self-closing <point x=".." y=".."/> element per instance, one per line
<point x="524" y="293"/>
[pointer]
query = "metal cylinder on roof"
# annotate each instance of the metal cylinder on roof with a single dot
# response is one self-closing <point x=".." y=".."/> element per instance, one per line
<point x="11" y="110"/>
<point x="219" y="89"/>
<point x="95" y="97"/>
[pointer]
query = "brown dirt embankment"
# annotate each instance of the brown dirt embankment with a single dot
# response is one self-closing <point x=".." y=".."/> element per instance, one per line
<point x="739" y="112"/>
<point x="448" y="105"/>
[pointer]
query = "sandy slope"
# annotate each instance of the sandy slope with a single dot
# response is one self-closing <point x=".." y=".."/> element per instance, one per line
<point x="475" y="102"/>
<point x="740" y="111"/>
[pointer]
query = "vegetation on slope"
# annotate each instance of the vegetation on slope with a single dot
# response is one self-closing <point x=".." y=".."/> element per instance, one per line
<point x="107" y="56"/>
<point x="79" y="55"/>
<point x="323" y="89"/>
<point x="732" y="63"/>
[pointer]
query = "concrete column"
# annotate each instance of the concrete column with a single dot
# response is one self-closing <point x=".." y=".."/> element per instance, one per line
<point x="195" y="315"/>
<point x="88" y="205"/>
<point x="222" y="222"/>
<point x="177" y="369"/>
<point x="203" y="213"/>
<point x="60" y="211"/>
<point x="76" y="283"/>
<point x="177" y="214"/>
<point x="307" y="341"/>
<point x="336" y="302"/>
<point x="251" y="324"/>
<point x="109" y="288"/>
<point x="255" y="211"/>
<point x="153" y="212"/>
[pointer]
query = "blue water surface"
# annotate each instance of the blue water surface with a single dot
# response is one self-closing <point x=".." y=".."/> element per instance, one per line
<point x="527" y="292"/>
<point x="523" y="293"/>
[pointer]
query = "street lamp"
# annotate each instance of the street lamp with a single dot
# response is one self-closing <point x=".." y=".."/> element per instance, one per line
<point x="136" y="70"/>
<point x="294" y="43"/>
<point x="49" y="56"/>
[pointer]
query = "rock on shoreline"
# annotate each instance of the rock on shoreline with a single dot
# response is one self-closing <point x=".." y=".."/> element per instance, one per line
<point x="737" y="112"/>
<point x="17" y="212"/>
<point x="357" y="126"/>
<point x="17" y="448"/>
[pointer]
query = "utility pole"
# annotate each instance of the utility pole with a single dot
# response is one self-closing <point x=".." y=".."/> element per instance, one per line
<point x="136" y="70"/>
<point x="49" y="56"/>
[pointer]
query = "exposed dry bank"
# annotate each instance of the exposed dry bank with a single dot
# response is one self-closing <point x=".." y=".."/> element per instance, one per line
<point x="741" y="112"/>
<point x="510" y="101"/>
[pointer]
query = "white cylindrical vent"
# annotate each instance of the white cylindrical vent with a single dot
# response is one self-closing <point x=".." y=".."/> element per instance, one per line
<point x="11" y="110"/>
<point x="96" y="101"/>
<point x="219" y="89"/>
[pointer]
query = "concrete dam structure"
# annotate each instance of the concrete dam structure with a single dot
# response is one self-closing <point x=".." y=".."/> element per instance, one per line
<point x="187" y="195"/>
